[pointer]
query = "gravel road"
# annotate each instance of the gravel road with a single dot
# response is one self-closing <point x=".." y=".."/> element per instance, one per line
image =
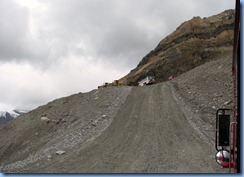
<point x="162" y="128"/>
<point x="149" y="134"/>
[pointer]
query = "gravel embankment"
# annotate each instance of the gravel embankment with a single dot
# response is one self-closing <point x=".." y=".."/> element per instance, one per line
<point x="202" y="91"/>
<point x="73" y="120"/>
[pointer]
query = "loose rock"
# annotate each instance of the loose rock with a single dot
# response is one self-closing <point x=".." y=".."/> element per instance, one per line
<point x="227" y="102"/>
<point x="45" y="119"/>
<point x="60" y="152"/>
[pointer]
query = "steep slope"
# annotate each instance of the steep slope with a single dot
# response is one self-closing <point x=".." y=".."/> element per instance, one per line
<point x="146" y="136"/>
<point x="193" y="43"/>
<point x="203" y="90"/>
<point x="61" y="124"/>
<point x="154" y="129"/>
<point x="163" y="128"/>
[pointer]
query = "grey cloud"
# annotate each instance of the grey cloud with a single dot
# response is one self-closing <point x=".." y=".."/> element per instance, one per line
<point x="76" y="38"/>
<point x="13" y="30"/>
<point x="16" y="41"/>
<point x="119" y="32"/>
<point x="124" y="39"/>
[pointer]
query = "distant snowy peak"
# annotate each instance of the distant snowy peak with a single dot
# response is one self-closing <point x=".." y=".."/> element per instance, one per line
<point x="6" y="116"/>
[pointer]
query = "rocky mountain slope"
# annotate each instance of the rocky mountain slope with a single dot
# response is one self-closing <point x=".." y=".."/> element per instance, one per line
<point x="163" y="128"/>
<point x="98" y="130"/>
<point x="193" y="43"/>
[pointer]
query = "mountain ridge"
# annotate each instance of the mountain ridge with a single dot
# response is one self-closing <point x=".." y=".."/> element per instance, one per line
<point x="193" y="43"/>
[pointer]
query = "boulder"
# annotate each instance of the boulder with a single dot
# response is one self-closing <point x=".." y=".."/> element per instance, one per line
<point x="45" y="119"/>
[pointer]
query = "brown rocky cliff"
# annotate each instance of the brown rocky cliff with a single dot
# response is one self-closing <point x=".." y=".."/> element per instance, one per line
<point x="193" y="43"/>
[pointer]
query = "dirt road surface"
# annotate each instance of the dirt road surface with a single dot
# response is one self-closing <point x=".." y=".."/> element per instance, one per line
<point x="150" y="134"/>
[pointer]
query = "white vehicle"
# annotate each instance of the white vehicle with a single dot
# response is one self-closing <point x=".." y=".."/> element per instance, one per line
<point x="147" y="81"/>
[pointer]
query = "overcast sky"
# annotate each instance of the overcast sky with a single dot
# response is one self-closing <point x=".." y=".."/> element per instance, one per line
<point x="55" y="48"/>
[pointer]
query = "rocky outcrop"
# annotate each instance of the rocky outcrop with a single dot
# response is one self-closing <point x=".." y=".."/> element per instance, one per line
<point x="193" y="43"/>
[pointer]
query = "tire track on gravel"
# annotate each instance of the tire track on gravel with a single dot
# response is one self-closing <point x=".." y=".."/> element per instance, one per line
<point x="150" y="134"/>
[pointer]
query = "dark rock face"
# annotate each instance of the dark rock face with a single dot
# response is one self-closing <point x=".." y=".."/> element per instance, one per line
<point x="193" y="43"/>
<point x="6" y="118"/>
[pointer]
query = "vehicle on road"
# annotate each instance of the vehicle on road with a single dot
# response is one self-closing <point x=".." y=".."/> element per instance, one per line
<point x="149" y="80"/>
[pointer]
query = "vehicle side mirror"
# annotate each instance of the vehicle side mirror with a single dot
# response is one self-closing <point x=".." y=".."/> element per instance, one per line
<point x="222" y="139"/>
<point x="223" y="158"/>
<point x="224" y="130"/>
